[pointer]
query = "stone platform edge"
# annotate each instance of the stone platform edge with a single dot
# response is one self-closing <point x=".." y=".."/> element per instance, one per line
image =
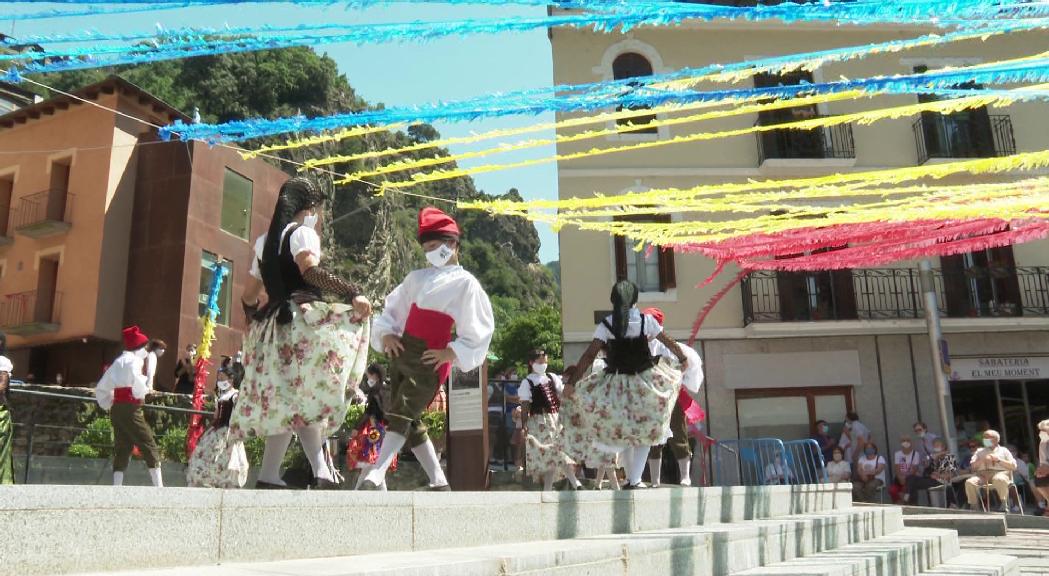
<point x="64" y="529"/>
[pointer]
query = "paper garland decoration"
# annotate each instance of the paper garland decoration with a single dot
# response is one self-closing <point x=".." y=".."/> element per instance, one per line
<point x="203" y="363"/>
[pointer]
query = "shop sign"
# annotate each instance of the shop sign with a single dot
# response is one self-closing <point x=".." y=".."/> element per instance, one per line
<point x="1000" y="368"/>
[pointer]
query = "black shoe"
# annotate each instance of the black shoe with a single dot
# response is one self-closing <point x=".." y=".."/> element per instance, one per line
<point x="634" y="486"/>
<point x="368" y="485"/>
<point x="260" y="485"/>
<point x="323" y="484"/>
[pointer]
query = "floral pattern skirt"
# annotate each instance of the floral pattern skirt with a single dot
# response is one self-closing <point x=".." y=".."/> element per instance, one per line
<point x="609" y="412"/>
<point x="218" y="461"/>
<point x="298" y="374"/>
<point x="544" y="446"/>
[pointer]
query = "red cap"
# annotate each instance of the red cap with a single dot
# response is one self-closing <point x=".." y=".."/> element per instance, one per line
<point x="433" y="223"/>
<point x="655" y="313"/>
<point x="134" y="338"/>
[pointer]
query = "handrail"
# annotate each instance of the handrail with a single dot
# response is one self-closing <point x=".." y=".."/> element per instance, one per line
<point x="19" y="389"/>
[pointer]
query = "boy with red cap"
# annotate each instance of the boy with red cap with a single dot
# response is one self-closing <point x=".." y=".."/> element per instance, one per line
<point x="415" y="332"/>
<point x="121" y="392"/>
<point x="686" y="411"/>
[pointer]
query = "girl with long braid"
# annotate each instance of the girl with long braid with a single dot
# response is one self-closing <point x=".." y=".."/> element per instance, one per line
<point x="301" y="351"/>
<point x="629" y="404"/>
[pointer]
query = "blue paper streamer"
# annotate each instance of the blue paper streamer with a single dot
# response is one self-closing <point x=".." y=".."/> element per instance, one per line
<point x="98" y="11"/>
<point x="937" y="82"/>
<point x="218" y="273"/>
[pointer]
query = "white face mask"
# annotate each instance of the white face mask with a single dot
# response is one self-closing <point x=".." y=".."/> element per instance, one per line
<point x="238" y="358"/>
<point x="310" y="221"/>
<point x="439" y="256"/>
<point x="372" y="381"/>
<point x="539" y="368"/>
<point x="160" y="352"/>
<point x="223" y="385"/>
<point x="141" y="353"/>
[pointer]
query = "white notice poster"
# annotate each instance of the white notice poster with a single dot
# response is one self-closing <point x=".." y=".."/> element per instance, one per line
<point x="466" y="397"/>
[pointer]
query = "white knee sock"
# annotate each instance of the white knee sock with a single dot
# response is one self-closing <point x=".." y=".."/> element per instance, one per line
<point x="548" y="480"/>
<point x="613" y="477"/>
<point x="572" y="478"/>
<point x="635" y="466"/>
<point x="427" y="457"/>
<point x="655" y="466"/>
<point x="392" y="443"/>
<point x="684" y="465"/>
<point x="312" y="439"/>
<point x="272" y="457"/>
<point x="156" y="477"/>
<point x="118" y="478"/>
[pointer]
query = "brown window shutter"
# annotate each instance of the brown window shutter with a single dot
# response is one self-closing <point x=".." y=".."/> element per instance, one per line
<point x="667" y="270"/>
<point x="620" y="250"/>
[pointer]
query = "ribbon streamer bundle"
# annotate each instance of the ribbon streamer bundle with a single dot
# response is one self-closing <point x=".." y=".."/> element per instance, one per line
<point x="202" y="361"/>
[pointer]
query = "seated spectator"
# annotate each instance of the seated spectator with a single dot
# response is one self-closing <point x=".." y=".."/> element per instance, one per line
<point x="778" y="472"/>
<point x="869" y="474"/>
<point x="906" y="463"/>
<point x="942" y="468"/>
<point x="992" y="465"/>
<point x="838" y="469"/>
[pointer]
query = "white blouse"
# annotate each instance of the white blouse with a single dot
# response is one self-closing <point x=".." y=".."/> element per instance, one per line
<point x="633" y="330"/>
<point x="693" y="377"/>
<point x="525" y="391"/>
<point x="449" y="290"/>
<point x="303" y="239"/>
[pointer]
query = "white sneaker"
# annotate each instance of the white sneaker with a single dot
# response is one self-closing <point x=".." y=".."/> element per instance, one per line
<point x="687" y="482"/>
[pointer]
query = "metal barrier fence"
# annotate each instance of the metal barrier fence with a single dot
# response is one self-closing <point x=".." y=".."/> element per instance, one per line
<point x="764" y="461"/>
<point x="806" y="460"/>
<point x="502" y="399"/>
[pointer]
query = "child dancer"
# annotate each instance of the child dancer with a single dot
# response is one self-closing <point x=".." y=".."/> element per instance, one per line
<point x="540" y="395"/>
<point x="218" y="461"/>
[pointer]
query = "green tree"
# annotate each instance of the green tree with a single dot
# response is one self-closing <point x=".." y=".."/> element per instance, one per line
<point x="536" y="328"/>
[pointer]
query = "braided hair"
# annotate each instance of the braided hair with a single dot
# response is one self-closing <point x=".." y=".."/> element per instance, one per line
<point x="624" y="296"/>
<point x="296" y="195"/>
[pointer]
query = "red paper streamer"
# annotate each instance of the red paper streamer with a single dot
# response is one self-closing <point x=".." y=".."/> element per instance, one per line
<point x="196" y="421"/>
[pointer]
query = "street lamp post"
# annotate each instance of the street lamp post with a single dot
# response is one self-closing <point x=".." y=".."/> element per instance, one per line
<point x="936" y="355"/>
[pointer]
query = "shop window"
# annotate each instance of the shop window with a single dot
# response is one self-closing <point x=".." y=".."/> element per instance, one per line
<point x="236" y="204"/>
<point x="633" y="65"/>
<point x="652" y="268"/>
<point x="207" y="266"/>
<point x="791" y="414"/>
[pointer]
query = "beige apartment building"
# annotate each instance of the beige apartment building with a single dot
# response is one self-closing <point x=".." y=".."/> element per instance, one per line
<point x="785" y="350"/>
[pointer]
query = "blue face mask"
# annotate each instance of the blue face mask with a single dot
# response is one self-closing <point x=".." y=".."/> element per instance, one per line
<point x="869" y="453"/>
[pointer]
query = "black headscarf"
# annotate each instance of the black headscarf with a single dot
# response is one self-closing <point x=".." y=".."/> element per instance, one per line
<point x="624" y="296"/>
<point x="296" y="195"/>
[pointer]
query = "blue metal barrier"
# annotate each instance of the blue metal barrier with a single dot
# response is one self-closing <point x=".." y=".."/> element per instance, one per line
<point x="806" y="460"/>
<point x="750" y="462"/>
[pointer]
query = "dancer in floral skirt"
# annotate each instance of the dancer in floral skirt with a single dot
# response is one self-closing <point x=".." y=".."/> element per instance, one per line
<point x="301" y="351"/>
<point x="219" y="462"/>
<point x="540" y="395"/>
<point x="630" y="403"/>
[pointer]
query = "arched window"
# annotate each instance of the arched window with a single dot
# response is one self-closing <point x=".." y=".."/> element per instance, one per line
<point x="633" y="65"/>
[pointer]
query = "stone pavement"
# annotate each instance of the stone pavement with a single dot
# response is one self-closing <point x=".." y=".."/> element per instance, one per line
<point x="1031" y="547"/>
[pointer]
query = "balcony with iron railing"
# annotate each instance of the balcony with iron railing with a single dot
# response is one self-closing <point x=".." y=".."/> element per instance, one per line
<point x="830" y="143"/>
<point x="29" y="313"/>
<point x="894" y="293"/>
<point x="43" y="214"/>
<point x="970" y="136"/>
<point x="5" y="225"/>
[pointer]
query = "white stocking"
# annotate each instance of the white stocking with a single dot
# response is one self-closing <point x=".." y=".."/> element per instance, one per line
<point x="635" y="465"/>
<point x="548" y="480"/>
<point x="312" y="439"/>
<point x="392" y="443"/>
<point x="273" y="456"/>
<point x="427" y="457"/>
<point x="655" y="466"/>
<point x="685" y="466"/>
<point x="570" y="473"/>
<point x="118" y="478"/>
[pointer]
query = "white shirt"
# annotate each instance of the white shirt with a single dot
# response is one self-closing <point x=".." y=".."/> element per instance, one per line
<point x="907" y="463"/>
<point x="838" y="471"/>
<point x="633" y="330"/>
<point x="867" y="466"/>
<point x="151" y="368"/>
<point x="125" y="372"/>
<point x="778" y="473"/>
<point x="858" y="429"/>
<point x="1003" y="454"/>
<point x="6" y="365"/>
<point x="303" y="239"/>
<point x="692" y="379"/>
<point x="449" y="290"/>
<point x="525" y="391"/>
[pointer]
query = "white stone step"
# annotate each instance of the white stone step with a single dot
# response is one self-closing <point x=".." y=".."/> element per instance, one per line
<point x="62" y="529"/>
<point x="710" y="550"/>
<point x="907" y="552"/>
<point x="977" y="564"/>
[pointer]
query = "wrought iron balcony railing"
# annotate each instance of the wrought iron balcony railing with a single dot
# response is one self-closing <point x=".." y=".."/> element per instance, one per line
<point x="970" y="136"/>
<point x="894" y="293"/>
<point x="31" y="312"/>
<point x="44" y="213"/>
<point x="830" y="142"/>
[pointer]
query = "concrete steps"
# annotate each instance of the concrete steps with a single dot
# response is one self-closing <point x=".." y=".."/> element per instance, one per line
<point x="746" y="531"/>
<point x="964" y="524"/>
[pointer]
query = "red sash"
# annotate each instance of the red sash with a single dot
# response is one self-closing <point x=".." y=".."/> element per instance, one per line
<point x="125" y="396"/>
<point x="434" y="328"/>
<point x="693" y="411"/>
